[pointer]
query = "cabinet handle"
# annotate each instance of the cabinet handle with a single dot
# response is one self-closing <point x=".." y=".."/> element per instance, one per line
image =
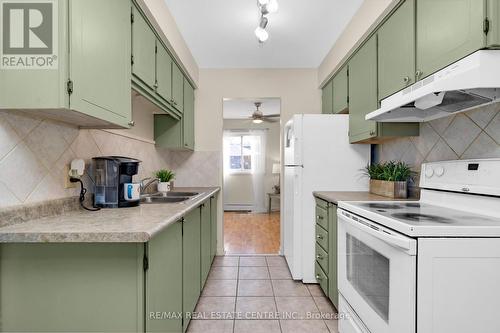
<point x="406" y="79"/>
<point x="320" y="257"/>
<point x="156" y="85"/>
<point x="319" y="237"/>
<point x="131" y="123"/>
<point x="418" y="74"/>
<point x="372" y="133"/>
<point x="319" y="217"/>
<point x="318" y="277"/>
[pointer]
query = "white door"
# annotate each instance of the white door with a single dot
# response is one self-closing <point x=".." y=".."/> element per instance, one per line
<point x="291" y="220"/>
<point x="458" y="285"/>
<point x="377" y="274"/>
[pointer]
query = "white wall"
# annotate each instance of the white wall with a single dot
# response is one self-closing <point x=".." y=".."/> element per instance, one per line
<point x="368" y="16"/>
<point x="297" y="89"/>
<point x="238" y="188"/>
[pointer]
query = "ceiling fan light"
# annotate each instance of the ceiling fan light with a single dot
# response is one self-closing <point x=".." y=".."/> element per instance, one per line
<point x="257" y="121"/>
<point x="261" y="34"/>
<point x="272" y="6"/>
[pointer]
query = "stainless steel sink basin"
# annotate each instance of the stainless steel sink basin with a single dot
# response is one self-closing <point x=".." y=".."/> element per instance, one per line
<point x="182" y="194"/>
<point x="162" y="199"/>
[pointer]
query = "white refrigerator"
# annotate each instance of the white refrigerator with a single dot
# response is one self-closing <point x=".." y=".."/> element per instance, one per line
<point x="318" y="157"/>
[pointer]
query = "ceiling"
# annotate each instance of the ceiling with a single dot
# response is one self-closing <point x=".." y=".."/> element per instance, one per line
<point x="243" y="108"/>
<point x="220" y="33"/>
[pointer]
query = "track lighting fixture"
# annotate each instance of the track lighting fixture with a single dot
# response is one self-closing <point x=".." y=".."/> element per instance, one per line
<point x="265" y="7"/>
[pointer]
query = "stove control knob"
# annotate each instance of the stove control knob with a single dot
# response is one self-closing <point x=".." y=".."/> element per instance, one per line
<point x="439" y="171"/>
<point x="429" y="172"/>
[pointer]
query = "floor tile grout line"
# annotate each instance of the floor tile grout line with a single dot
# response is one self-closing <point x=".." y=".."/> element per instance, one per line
<point x="236" y="297"/>
<point x="274" y="297"/>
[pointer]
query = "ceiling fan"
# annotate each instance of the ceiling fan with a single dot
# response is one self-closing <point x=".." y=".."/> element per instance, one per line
<point x="258" y="117"/>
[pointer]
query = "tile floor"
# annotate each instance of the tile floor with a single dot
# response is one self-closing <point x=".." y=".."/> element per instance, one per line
<point x="256" y="294"/>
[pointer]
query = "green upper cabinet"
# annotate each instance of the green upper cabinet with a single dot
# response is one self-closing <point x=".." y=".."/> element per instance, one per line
<point x="177" y="88"/>
<point x="363" y="91"/>
<point x="493" y="14"/>
<point x="363" y="99"/>
<point x="341" y="91"/>
<point x="447" y="31"/>
<point x="143" y="50"/>
<point x="206" y="260"/>
<point x="327" y="99"/>
<point x="396" y="50"/>
<point x="164" y="279"/>
<point x="188" y="117"/>
<point x="90" y="86"/>
<point x="191" y="265"/>
<point x="163" y="73"/>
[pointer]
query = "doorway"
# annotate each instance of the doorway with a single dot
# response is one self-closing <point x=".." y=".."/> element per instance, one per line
<point x="251" y="168"/>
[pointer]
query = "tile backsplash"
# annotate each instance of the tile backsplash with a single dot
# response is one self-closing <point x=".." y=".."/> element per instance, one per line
<point x="468" y="135"/>
<point x="35" y="151"/>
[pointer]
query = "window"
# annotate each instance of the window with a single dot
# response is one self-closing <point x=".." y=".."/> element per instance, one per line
<point x="240" y="153"/>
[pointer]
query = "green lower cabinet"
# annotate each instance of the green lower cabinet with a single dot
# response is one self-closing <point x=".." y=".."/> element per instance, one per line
<point x="205" y="248"/>
<point x="327" y="98"/>
<point x="363" y="99"/>
<point x="326" y="251"/>
<point x="333" y="289"/>
<point x="341" y="91"/>
<point x="72" y="287"/>
<point x="164" y="282"/>
<point x="448" y="31"/>
<point x="191" y="264"/>
<point x="213" y="226"/>
<point x="396" y="50"/>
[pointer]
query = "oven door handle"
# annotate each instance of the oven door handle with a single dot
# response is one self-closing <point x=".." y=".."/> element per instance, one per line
<point x="388" y="236"/>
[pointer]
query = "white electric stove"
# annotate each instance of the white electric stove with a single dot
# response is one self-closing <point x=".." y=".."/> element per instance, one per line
<point x="431" y="266"/>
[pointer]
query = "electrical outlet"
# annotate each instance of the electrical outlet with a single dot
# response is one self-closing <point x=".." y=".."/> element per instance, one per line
<point x="67" y="183"/>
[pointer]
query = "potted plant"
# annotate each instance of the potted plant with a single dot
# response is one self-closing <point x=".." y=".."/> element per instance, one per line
<point x="389" y="179"/>
<point x="164" y="176"/>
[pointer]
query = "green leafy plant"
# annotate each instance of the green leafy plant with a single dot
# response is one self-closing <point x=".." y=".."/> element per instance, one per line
<point x="164" y="175"/>
<point x="395" y="171"/>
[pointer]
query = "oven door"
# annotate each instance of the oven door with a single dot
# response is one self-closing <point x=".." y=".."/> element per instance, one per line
<point x="377" y="274"/>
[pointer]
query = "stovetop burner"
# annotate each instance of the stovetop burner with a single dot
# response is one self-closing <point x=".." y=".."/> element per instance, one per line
<point x="379" y="205"/>
<point x="415" y="217"/>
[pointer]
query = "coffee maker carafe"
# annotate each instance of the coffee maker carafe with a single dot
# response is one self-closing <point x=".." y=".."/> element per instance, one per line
<point x="113" y="182"/>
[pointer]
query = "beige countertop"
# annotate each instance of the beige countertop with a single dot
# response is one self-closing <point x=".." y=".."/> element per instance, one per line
<point x="117" y="225"/>
<point x="335" y="197"/>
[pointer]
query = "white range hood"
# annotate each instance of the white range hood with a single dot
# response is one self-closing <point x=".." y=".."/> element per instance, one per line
<point x="467" y="84"/>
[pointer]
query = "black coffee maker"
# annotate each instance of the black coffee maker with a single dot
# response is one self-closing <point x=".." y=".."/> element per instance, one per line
<point x="113" y="182"/>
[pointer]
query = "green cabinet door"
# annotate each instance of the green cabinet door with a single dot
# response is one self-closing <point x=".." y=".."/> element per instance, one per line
<point x="177" y="88"/>
<point x="396" y="50"/>
<point x="163" y="73"/>
<point x="205" y="247"/>
<point x="164" y="280"/>
<point x="213" y="226"/>
<point x="143" y="50"/>
<point x="100" y="59"/>
<point x="333" y="290"/>
<point x="327" y="99"/>
<point x="447" y="31"/>
<point x="188" y="117"/>
<point x="493" y="14"/>
<point x="341" y="91"/>
<point x="191" y="264"/>
<point x="363" y="91"/>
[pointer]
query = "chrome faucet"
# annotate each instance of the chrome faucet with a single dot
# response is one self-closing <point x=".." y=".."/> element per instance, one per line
<point x="145" y="185"/>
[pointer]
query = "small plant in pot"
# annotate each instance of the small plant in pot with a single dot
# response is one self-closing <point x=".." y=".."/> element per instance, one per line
<point x="165" y="177"/>
<point x="389" y="179"/>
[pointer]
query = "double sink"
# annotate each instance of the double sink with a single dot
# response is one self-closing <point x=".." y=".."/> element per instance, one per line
<point x="167" y="197"/>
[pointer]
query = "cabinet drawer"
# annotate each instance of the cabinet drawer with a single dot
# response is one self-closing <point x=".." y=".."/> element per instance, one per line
<point x="322" y="237"/>
<point x="322" y="278"/>
<point x="322" y="217"/>
<point x="322" y="203"/>
<point x="322" y="258"/>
